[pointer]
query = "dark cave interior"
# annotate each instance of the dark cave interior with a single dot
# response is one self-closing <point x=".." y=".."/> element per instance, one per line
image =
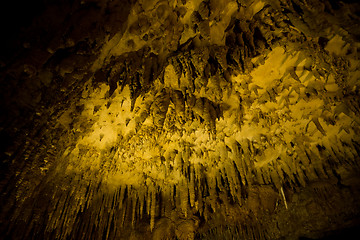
<point x="179" y="119"/>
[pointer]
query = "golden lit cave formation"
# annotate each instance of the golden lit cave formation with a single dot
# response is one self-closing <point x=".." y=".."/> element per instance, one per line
<point x="212" y="119"/>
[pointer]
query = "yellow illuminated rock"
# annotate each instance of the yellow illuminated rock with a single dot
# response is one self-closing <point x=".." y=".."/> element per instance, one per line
<point x="180" y="119"/>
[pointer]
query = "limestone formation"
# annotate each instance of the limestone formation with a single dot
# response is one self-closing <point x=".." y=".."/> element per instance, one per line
<point x="166" y="119"/>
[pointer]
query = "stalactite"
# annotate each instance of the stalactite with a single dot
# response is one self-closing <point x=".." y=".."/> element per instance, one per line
<point x="191" y="187"/>
<point x="275" y="178"/>
<point x="152" y="210"/>
<point x="123" y="214"/>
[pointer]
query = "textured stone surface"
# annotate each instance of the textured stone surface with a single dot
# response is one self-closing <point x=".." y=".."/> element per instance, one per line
<point x="181" y="120"/>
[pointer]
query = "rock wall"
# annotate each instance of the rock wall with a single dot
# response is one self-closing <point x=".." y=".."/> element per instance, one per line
<point x="181" y="120"/>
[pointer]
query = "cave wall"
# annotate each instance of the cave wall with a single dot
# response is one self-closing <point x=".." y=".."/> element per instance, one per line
<point x="180" y="119"/>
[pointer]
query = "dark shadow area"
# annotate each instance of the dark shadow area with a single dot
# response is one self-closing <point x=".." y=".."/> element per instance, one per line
<point x="351" y="233"/>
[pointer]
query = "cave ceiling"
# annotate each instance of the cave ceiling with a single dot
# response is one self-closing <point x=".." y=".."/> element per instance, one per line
<point x="166" y="119"/>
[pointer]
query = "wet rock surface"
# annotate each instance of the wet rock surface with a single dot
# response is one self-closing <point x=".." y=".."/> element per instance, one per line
<point x="181" y="120"/>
